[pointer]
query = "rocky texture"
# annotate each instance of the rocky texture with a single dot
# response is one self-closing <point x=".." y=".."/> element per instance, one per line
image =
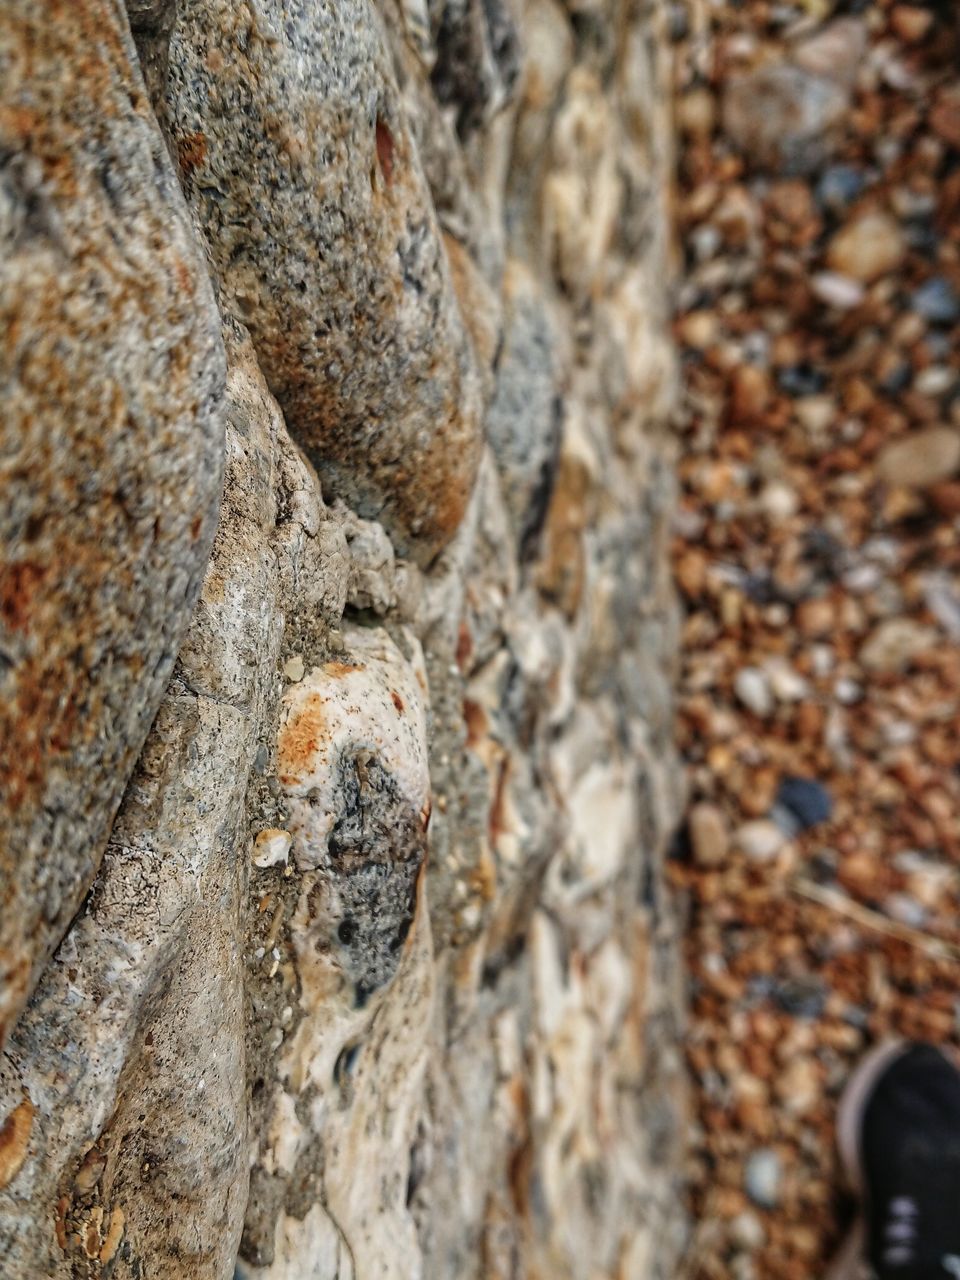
<point x="295" y="153"/>
<point x="111" y="373"/>
<point x="377" y="976"/>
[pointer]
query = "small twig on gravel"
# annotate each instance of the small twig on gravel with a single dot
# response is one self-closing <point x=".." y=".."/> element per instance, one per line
<point x="837" y="901"/>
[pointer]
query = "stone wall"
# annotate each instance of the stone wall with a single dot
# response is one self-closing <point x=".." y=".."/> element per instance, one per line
<point x="336" y="641"/>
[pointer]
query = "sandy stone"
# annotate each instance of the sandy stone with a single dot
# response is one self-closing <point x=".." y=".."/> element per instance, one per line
<point x="697" y="113"/>
<point x="709" y="834"/>
<point x="111" y="449"/>
<point x="867" y="248"/>
<point x="920" y="459"/>
<point x="910" y="22"/>
<point x="326" y="246"/>
<point x="894" y="644"/>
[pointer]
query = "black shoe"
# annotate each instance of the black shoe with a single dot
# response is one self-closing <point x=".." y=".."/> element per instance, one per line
<point x="898" y="1129"/>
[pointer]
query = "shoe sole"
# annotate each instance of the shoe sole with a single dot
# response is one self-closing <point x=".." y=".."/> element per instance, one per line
<point x="849" y="1263"/>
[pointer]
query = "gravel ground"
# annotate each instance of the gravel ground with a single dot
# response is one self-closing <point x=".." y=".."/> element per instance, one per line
<point x="817" y="549"/>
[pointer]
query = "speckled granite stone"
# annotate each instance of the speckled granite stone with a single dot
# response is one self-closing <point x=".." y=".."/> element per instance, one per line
<point x="296" y="157"/>
<point x="111" y="438"/>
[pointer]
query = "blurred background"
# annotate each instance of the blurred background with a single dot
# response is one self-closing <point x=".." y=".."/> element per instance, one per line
<point x="816" y="549"/>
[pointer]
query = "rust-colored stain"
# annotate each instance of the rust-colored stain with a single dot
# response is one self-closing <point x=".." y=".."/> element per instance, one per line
<point x="60" y="1221"/>
<point x="397" y="701"/>
<point x="18" y="587"/>
<point x="14" y="1137"/>
<point x="91" y="1246"/>
<point x="340" y="669"/>
<point x="113" y="1236"/>
<point x="385" y="150"/>
<point x="298" y="739"/>
<point x="191" y="152"/>
<point x="464" y="646"/>
<point x="476" y="721"/>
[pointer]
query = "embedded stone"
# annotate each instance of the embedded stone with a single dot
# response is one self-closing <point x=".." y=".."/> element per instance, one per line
<point x="296" y="157"/>
<point x="111" y="444"/>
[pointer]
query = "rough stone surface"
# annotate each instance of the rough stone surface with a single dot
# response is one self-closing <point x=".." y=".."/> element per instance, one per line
<point x="111" y="376"/>
<point x="295" y="153"/>
<point x="378" y="976"/>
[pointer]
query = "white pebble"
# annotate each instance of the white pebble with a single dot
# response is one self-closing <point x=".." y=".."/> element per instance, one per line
<point x="271" y="846"/>
<point x="837" y="290"/>
<point x="293" y="668"/>
<point x="761" y="840"/>
<point x="752" y="688"/>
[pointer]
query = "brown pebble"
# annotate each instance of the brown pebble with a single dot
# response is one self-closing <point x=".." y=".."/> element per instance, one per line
<point x="14" y="1139"/>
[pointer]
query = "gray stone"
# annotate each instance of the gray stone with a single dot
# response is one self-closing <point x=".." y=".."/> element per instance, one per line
<point x="128" y="1050"/>
<point x="762" y="1177"/>
<point x="523" y="421"/>
<point x="111" y="374"/>
<point x="782" y="116"/>
<point x="477" y="59"/>
<point x="296" y="157"/>
<point x="936" y="300"/>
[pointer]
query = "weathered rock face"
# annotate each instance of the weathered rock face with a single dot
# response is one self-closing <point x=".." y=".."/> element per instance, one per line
<point x="111" y="378"/>
<point x="296" y="155"/>
<point x="377" y="975"/>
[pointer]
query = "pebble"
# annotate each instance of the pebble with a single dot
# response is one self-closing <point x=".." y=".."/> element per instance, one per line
<point x="783" y="116"/>
<point x="800" y="380"/>
<point x="762" y="1177"/>
<point x="801" y="997"/>
<point x="905" y="910"/>
<point x="760" y="840"/>
<point x="847" y="691"/>
<point x="921" y="459"/>
<point x="709" y="835"/>
<point x="798" y="1086"/>
<point x="894" y="644"/>
<point x="839" y="186"/>
<point x="808" y="801"/>
<point x="870" y="247"/>
<point x="752" y="688"/>
<point x="778" y="501"/>
<point x="815" y="413"/>
<point x="270" y="847"/>
<point x="293" y="668"/>
<point x="746" y="1231"/>
<point x="835" y="51"/>
<point x="786" y="683"/>
<point x="696" y="113"/>
<point x="937" y="301"/>
<point x="934" y="381"/>
<point x="837" y="290"/>
<point x="911" y="23"/>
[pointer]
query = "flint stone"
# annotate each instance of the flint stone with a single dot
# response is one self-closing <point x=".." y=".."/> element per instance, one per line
<point x="296" y="157"/>
<point x="523" y="421"/>
<point x="111" y="444"/>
